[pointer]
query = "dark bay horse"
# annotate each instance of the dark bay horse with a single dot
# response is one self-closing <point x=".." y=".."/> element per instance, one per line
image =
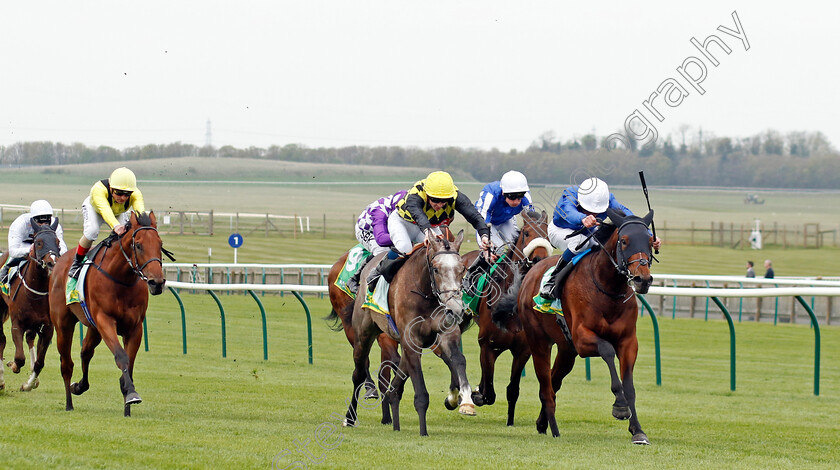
<point x="600" y="308"/>
<point x="425" y="302"/>
<point x="530" y="247"/>
<point x="341" y="316"/>
<point x="117" y="302"/>
<point x="28" y="304"/>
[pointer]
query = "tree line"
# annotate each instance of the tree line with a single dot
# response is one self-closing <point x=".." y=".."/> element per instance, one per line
<point x="768" y="159"/>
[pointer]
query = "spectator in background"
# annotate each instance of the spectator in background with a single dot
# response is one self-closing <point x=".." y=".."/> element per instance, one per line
<point x="769" y="274"/>
<point x="750" y="270"/>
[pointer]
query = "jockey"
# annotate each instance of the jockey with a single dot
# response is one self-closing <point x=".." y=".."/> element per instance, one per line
<point x="21" y="233"/>
<point x="499" y="203"/>
<point x="109" y="202"/>
<point x="430" y="203"/>
<point x="577" y="209"/>
<point x="372" y="230"/>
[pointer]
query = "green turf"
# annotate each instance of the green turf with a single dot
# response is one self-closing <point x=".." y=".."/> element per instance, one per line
<point x="201" y="410"/>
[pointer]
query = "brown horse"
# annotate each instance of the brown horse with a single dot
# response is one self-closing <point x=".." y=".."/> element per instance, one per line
<point x="28" y="306"/>
<point x="530" y="247"/>
<point x="116" y="301"/>
<point x="341" y="316"/>
<point x="425" y="302"/>
<point x="600" y="310"/>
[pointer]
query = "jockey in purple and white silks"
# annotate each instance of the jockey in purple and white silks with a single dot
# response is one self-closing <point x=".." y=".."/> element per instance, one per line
<point x="372" y="224"/>
<point x="499" y="203"/>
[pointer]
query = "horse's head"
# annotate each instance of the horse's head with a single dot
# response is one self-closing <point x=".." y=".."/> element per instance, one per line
<point x="532" y="245"/>
<point x="45" y="245"/>
<point x="446" y="271"/>
<point x="142" y="246"/>
<point x="633" y="245"/>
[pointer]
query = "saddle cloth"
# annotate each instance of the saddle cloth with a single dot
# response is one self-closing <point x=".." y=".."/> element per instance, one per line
<point x="355" y="257"/>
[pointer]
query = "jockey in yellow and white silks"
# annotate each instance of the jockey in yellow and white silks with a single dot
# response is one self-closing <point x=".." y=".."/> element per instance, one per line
<point x="111" y="201"/>
<point x="432" y="202"/>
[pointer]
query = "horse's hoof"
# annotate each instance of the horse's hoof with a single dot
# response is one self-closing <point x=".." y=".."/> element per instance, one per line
<point x="76" y="389"/>
<point x="35" y="385"/>
<point x="478" y="398"/>
<point x="133" y="399"/>
<point x="371" y="394"/>
<point x="348" y="423"/>
<point x="640" y="439"/>
<point x="449" y="406"/>
<point x="386" y="421"/>
<point x="14" y="368"/>
<point x="621" y="412"/>
<point x="2" y="386"/>
<point x="542" y="427"/>
<point x="467" y="409"/>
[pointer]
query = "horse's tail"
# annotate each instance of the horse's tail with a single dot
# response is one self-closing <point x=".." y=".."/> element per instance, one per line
<point x="505" y="308"/>
<point x="333" y="320"/>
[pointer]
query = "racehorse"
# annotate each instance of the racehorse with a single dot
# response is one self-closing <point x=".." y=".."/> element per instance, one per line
<point x="117" y="304"/>
<point x="341" y="316"/>
<point x="600" y="310"/>
<point x="424" y="299"/>
<point x="530" y="247"/>
<point x="29" y="307"/>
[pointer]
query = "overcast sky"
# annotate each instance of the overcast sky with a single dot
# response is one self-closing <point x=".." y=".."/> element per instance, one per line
<point x="432" y="73"/>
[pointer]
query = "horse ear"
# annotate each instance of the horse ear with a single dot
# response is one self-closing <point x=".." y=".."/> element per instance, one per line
<point x="543" y="217"/>
<point x="54" y="225"/>
<point x="456" y="245"/>
<point x="432" y="241"/>
<point x="648" y="218"/>
<point x="616" y="216"/>
<point x="33" y="224"/>
<point x="153" y="219"/>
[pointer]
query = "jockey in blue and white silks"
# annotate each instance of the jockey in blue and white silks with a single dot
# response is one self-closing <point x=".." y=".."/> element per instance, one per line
<point x="499" y="203"/>
<point x="372" y="224"/>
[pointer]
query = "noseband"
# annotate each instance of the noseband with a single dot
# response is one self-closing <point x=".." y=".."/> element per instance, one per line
<point x="39" y="257"/>
<point x="622" y="266"/>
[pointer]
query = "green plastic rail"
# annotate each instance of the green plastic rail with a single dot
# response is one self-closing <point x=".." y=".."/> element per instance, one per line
<point x="731" y="342"/>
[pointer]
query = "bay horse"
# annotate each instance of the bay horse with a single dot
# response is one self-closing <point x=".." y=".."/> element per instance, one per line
<point x="116" y="301"/>
<point x="341" y="317"/>
<point x="28" y="306"/>
<point x="599" y="306"/>
<point x="424" y="299"/>
<point x="530" y="247"/>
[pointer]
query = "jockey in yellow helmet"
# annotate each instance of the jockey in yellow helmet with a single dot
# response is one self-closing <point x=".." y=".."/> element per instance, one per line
<point x="111" y="201"/>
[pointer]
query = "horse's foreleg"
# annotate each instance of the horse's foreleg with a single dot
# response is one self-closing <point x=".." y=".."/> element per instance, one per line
<point x="520" y="358"/>
<point x="361" y="350"/>
<point x="457" y="363"/>
<point x="2" y="343"/>
<point x="410" y="363"/>
<point x="20" y="353"/>
<point x="64" y="342"/>
<point x="91" y="340"/>
<point x="486" y="394"/>
<point x="620" y="408"/>
<point x="132" y="345"/>
<point x="38" y="357"/>
<point x="627" y="361"/>
<point x="390" y="360"/>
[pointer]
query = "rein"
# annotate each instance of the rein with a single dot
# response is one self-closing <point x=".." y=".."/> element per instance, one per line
<point x="37" y="261"/>
<point x="435" y="291"/>
<point x="138" y="270"/>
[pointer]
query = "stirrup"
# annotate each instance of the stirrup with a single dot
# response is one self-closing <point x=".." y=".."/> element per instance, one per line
<point x="547" y="289"/>
<point x="373" y="278"/>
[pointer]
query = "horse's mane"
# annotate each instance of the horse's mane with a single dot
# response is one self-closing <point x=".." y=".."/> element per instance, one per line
<point x="533" y="214"/>
<point x="144" y="220"/>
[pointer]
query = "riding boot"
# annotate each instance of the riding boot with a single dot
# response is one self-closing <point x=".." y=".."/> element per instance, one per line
<point x="353" y="282"/>
<point x="4" y="271"/>
<point x="547" y="290"/>
<point x="78" y="262"/>
<point x="387" y="268"/>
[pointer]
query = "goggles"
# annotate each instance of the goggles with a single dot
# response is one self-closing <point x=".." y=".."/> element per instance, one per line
<point x="515" y="196"/>
<point x="121" y="193"/>
<point x="42" y="219"/>
<point x="438" y="200"/>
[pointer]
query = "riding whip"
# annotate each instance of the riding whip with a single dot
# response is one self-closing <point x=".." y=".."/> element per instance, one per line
<point x="644" y="188"/>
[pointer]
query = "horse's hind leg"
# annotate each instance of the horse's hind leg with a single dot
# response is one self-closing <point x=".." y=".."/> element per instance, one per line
<point x="3" y="316"/>
<point x="20" y="355"/>
<point x="621" y="410"/>
<point x="64" y="342"/>
<point x="486" y="394"/>
<point x="390" y="361"/>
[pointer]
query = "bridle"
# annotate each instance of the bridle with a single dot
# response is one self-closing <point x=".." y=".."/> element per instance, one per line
<point x="621" y="261"/>
<point x="134" y="264"/>
<point x="37" y="261"/>
<point x="443" y="296"/>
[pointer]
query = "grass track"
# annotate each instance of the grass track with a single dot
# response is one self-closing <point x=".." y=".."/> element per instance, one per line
<point x="202" y="411"/>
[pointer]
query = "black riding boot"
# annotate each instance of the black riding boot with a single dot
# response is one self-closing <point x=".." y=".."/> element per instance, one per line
<point x="547" y="290"/>
<point x="4" y="271"/>
<point x="78" y="262"/>
<point x="353" y="282"/>
<point x="387" y="268"/>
